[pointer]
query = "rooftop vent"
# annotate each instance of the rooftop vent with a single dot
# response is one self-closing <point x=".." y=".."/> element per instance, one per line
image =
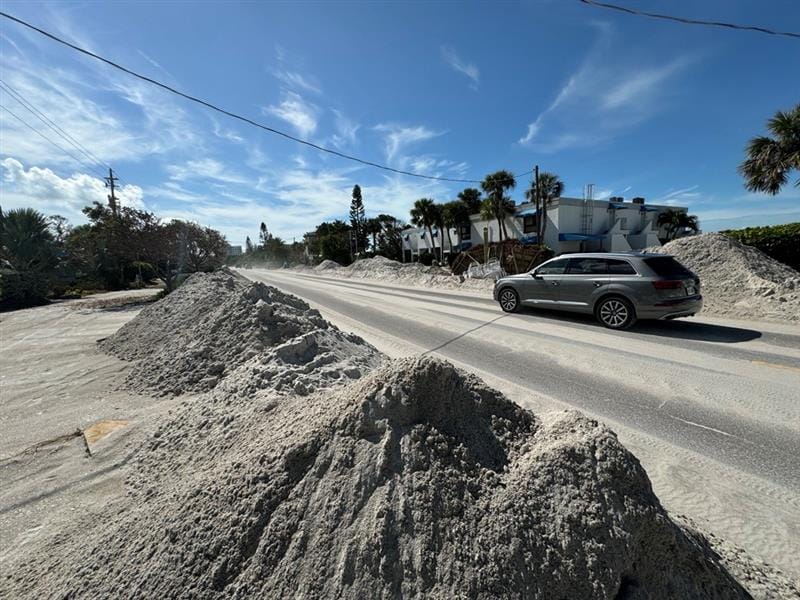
<point x="638" y="200"/>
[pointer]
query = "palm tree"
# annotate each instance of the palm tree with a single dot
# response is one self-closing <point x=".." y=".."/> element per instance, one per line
<point x="548" y="188"/>
<point x="426" y="213"/>
<point x="471" y="197"/>
<point x="26" y="241"/>
<point x="770" y="159"/>
<point x="495" y="186"/>
<point x="677" y="221"/>
<point x="26" y="246"/>
<point x="454" y="214"/>
<point x="373" y="227"/>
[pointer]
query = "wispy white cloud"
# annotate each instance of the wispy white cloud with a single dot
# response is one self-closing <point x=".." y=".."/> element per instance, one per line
<point x="457" y="64"/>
<point x="154" y="63"/>
<point x="688" y="193"/>
<point x="208" y="169"/>
<point x="398" y="137"/>
<point x="296" y="81"/>
<point x="607" y="96"/>
<point x="346" y="129"/>
<point x="11" y="43"/>
<point x="300" y="114"/>
<point x="225" y="134"/>
<point x="172" y="190"/>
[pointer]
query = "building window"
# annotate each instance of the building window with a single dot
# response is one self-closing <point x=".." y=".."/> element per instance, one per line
<point x="529" y="224"/>
<point x="464" y="233"/>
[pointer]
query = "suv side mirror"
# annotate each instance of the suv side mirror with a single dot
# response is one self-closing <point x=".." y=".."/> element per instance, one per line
<point x="535" y="275"/>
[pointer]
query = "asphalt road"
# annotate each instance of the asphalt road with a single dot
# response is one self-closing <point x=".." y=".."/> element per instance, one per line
<point x="726" y="390"/>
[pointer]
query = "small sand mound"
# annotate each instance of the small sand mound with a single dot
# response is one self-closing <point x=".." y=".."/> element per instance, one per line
<point x="416" y="481"/>
<point x="383" y="269"/>
<point x="216" y="323"/>
<point x="738" y="280"/>
<point x="327" y="265"/>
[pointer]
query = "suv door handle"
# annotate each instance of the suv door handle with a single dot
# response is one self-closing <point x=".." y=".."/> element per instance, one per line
<point x="554" y="282"/>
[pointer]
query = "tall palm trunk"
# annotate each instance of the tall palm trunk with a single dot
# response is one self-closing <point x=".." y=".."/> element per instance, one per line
<point x="433" y="244"/>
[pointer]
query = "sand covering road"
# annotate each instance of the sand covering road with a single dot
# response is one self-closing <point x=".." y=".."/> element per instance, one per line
<point x="416" y="480"/>
<point x="738" y="281"/>
<point x="414" y="273"/>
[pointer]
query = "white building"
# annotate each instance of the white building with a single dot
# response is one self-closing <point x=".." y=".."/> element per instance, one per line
<point x="573" y="225"/>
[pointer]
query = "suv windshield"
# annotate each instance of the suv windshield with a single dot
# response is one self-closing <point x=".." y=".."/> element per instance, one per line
<point x="666" y="266"/>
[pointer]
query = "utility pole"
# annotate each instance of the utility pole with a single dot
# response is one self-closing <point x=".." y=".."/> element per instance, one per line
<point x="112" y="199"/>
<point x="538" y="208"/>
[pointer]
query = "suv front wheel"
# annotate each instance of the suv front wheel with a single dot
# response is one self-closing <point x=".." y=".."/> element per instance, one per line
<point x="509" y="300"/>
<point x="615" y="312"/>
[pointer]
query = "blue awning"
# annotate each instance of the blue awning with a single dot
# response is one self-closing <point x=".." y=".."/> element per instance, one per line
<point x="618" y="205"/>
<point x="580" y="237"/>
<point x="529" y="239"/>
<point x="649" y="209"/>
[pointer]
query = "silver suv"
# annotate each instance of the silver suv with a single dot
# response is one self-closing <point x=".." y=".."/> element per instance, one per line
<point x="616" y="287"/>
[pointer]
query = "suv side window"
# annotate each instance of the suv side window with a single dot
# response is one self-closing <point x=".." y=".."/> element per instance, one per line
<point x="555" y="267"/>
<point x="619" y="267"/>
<point x="586" y="266"/>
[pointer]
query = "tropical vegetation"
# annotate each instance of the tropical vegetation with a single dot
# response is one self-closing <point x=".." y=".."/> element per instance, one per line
<point x="426" y="213"/>
<point x="781" y="242"/>
<point x="771" y="159"/>
<point x="677" y="223"/>
<point x="497" y="205"/>
<point x="42" y="258"/>
<point x="545" y="187"/>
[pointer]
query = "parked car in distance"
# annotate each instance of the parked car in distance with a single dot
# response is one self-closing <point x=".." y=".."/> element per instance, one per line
<point x="618" y="288"/>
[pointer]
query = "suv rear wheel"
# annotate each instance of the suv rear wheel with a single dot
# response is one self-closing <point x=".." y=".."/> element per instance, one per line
<point x="615" y="312"/>
<point x="509" y="300"/>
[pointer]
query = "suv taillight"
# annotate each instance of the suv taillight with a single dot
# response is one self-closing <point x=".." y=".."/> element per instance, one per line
<point x="667" y="285"/>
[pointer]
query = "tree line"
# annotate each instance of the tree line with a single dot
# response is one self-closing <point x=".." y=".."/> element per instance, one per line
<point x="45" y="257"/>
<point x="360" y="237"/>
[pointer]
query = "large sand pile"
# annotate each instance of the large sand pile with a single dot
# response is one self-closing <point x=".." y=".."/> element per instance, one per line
<point x="417" y="481"/>
<point x="217" y="323"/>
<point x="738" y="280"/>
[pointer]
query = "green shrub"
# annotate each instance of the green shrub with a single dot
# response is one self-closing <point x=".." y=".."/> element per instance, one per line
<point x="781" y="242"/>
<point x="19" y="289"/>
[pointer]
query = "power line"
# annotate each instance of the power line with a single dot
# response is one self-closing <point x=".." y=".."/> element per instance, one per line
<point x="51" y="124"/>
<point x="234" y="115"/>
<point x="32" y="128"/>
<point x="686" y="21"/>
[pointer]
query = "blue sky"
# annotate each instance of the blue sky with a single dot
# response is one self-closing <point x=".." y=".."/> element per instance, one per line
<point x="637" y="107"/>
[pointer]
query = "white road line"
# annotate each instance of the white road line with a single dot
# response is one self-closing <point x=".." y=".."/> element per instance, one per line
<point x="703" y="426"/>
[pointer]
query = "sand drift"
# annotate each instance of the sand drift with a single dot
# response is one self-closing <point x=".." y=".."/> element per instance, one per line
<point x="303" y="463"/>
